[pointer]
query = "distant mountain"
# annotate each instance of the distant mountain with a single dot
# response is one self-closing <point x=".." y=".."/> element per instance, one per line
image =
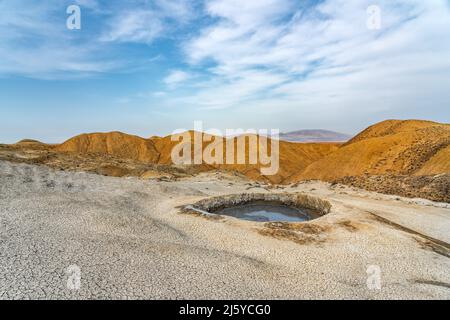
<point x="315" y="136"/>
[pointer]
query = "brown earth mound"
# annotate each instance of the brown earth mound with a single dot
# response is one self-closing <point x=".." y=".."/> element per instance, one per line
<point x="117" y="144"/>
<point x="157" y="150"/>
<point x="29" y="141"/>
<point x="383" y="154"/>
<point x="437" y="164"/>
<point x="388" y="148"/>
<point x="435" y="188"/>
<point x="389" y="127"/>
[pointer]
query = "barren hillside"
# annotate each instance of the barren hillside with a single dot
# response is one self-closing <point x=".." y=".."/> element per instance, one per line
<point x="117" y="144"/>
<point x="294" y="157"/>
<point x="390" y="147"/>
<point x="439" y="163"/>
<point x="390" y="151"/>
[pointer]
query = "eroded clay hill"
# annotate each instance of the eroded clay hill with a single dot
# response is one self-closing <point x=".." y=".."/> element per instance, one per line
<point x="391" y="147"/>
<point x="117" y="144"/>
<point x="439" y="163"/>
<point x="294" y="157"/>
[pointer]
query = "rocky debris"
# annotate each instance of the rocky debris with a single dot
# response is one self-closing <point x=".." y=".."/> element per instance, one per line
<point x="434" y="188"/>
<point x="102" y="164"/>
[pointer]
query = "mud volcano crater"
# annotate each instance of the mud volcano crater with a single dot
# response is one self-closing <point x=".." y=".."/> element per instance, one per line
<point x="262" y="207"/>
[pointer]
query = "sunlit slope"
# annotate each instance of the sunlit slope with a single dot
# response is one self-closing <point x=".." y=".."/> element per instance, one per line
<point x="117" y="144"/>
<point x="438" y="164"/>
<point x="294" y="157"/>
<point x="389" y="127"/>
<point x="390" y="147"/>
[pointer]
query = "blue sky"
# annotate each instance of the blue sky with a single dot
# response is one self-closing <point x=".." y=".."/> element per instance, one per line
<point x="150" y="67"/>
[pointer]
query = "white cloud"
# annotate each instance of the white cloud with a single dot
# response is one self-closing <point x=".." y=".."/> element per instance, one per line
<point x="134" y="26"/>
<point x="225" y="92"/>
<point x="34" y="42"/>
<point x="181" y="10"/>
<point x="148" y="21"/>
<point x="176" y="77"/>
<point x="323" y="56"/>
<point x="249" y="14"/>
<point x="91" y="4"/>
<point x="270" y="56"/>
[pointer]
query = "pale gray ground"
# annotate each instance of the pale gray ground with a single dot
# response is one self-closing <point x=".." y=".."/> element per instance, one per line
<point x="130" y="241"/>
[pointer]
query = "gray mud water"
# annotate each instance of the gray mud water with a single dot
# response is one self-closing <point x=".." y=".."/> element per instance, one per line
<point x="261" y="211"/>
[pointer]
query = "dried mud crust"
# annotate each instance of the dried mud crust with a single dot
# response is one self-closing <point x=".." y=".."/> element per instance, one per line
<point x="300" y="233"/>
<point x="309" y="232"/>
<point x="424" y="241"/>
<point x="130" y="243"/>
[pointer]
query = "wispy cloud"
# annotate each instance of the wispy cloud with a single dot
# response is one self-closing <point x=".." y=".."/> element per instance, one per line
<point x="176" y="77"/>
<point x="134" y="26"/>
<point x="146" y="21"/>
<point x="231" y="91"/>
<point x="34" y="40"/>
<point x="321" y="54"/>
<point x="268" y="55"/>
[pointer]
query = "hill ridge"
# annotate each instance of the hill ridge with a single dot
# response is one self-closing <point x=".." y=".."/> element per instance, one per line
<point x="405" y="147"/>
<point x="390" y="147"/>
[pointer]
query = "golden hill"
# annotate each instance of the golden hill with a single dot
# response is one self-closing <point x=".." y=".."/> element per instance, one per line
<point x="392" y="147"/>
<point x="31" y="144"/>
<point x="118" y="144"/>
<point x="409" y="147"/>
<point x="439" y="163"/>
<point x="294" y="157"/>
<point x="408" y="158"/>
<point x="389" y="127"/>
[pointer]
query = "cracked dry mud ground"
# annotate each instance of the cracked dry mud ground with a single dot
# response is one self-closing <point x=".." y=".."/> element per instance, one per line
<point x="130" y="241"/>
